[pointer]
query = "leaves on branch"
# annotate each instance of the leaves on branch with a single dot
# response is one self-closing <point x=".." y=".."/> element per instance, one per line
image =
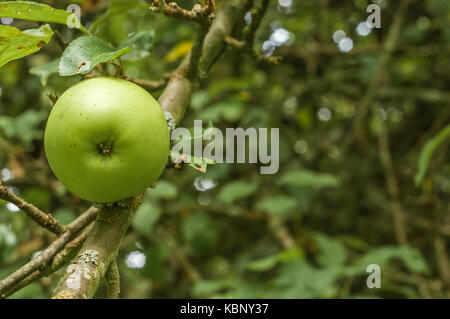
<point x="84" y="53"/>
<point x="308" y="178"/>
<point x="427" y="151"/>
<point x="34" y="11"/>
<point x="198" y="163"/>
<point x="140" y="43"/>
<point x="44" y="71"/>
<point x="15" y="44"/>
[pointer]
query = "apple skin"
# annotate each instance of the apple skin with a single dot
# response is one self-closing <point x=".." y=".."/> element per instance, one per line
<point x="106" y="139"/>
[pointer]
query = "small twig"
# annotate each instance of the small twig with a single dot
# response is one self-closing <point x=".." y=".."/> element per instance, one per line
<point x="391" y="183"/>
<point x="43" y="219"/>
<point x="60" y="40"/>
<point x="280" y="231"/>
<point x="53" y="97"/>
<point x="295" y="52"/>
<point x="248" y="42"/>
<point x="442" y="259"/>
<point x="257" y="15"/>
<point x="259" y="58"/>
<point x="112" y="277"/>
<point x="201" y="14"/>
<point x="181" y="258"/>
<point x="46" y="255"/>
<point x="416" y="280"/>
<point x="60" y="260"/>
<point x="151" y="85"/>
<point x="424" y="223"/>
<point x="388" y="48"/>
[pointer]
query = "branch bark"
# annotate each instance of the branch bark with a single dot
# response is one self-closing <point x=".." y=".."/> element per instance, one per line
<point x="59" y="261"/>
<point x="177" y="94"/>
<point x="112" y="277"/>
<point x="200" y="14"/>
<point x="84" y="274"/>
<point x="86" y="271"/>
<point x="43" y="219"/>
<point x="45" y="256"/>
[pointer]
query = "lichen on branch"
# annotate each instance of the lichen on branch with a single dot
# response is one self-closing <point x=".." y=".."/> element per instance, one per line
<point x="85" y="272"/>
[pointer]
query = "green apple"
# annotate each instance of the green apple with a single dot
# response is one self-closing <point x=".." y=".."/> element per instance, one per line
<point x="106" y="139"/>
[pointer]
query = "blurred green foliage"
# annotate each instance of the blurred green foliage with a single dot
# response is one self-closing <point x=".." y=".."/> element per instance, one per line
<point x="229" y="232"/>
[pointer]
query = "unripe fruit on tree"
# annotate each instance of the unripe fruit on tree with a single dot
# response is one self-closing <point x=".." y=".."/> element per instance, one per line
<point x="106" y="139"/>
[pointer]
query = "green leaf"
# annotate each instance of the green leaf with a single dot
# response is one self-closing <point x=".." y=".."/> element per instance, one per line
<point x="332" y="252"/>
<point x="263" y="264"/>
<point x="27" y="10"/>
<point x="15" y="44"/>
<point x="140" y="44"/>
<point x="84" y="53"/>
<point x="198" y="163"/>
<point x="117" y="7"/>
<point x="146" y="217"/>
<point x="24" y="127"/>
<point x="412" y="258"/>
<point x="201" y="232"/>
<point x="269" y="262"/>
<point x="230" y="111"/>
<point x="163" y="189"/>
<point x="299" y="279"/>
<point x="203" y="288"/>
<point x="302" y="178"/>
<point x="44" y="71"/>
<point x="277" y="205"/>
<point x="427" y="151"/>
<point x="236" y="190"/>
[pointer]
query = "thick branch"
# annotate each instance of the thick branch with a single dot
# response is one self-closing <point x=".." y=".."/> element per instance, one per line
<point x="86" y="271"/>
<point x="221" y="27"/>
<point x="45" y="220"/>
<point x="112" y="277"/>
<point x="84" y="274"/>
<point x="177" y="94"/>
<point x="45" y="256"/>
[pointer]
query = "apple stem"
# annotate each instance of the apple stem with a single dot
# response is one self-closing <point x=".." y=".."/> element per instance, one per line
<point x="105" y="148"/>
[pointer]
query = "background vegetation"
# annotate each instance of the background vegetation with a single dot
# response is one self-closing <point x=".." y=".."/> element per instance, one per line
<point x="364" y="164"/>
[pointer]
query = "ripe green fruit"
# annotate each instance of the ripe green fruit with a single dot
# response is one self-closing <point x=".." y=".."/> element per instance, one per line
<point x="106" y="139"/>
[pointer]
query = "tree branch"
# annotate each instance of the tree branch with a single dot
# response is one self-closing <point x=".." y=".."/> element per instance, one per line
<point x="391" y="183"/>
<point x="112" y="277"/>
<point x="84" y="275"/>
<point x="388" y="48"/>
<point x="248" y="42"/>
<point x="200" y="14"/>
<point x="177" y="94"/>
<point x="86" y="271"/>
<point x="59" y="261"/>
<point x="45" y="256"/>
<point x="151" y="85"/>
<point x="43" y="219"/>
